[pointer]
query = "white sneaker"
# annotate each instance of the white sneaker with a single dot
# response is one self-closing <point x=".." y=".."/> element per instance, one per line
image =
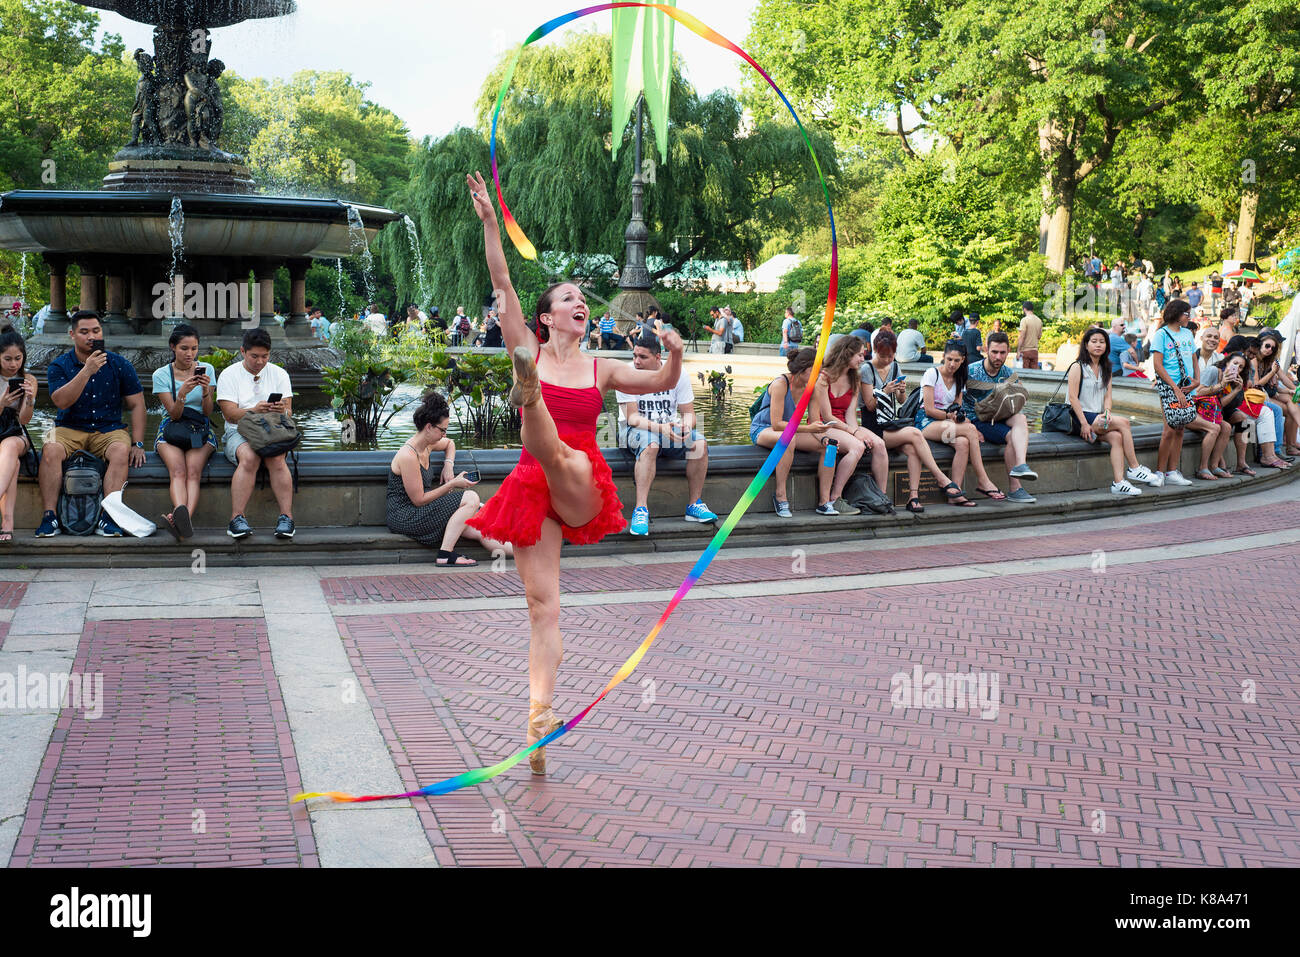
<point x="1157" y="479"/>
<point x="1176" y="478"/>
<point x="1139" y="474"/>
<point x="1123" y="488"/>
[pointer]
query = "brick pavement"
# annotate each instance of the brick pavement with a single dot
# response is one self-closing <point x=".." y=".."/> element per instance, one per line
<point x="1154" y="532"/>
<point x="11" y="594"/>
<point x="193" y="733"/>
<point x="773" y="739"/>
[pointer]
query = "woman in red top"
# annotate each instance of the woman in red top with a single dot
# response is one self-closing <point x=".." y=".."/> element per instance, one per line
<point x="832" y="407"/>
<point x="562" y="487"/>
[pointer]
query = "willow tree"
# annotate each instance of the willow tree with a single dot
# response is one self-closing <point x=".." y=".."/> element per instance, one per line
<point x="728" y="182"/>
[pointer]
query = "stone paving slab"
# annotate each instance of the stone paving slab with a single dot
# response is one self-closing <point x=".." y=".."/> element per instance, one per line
<point x="190" y="762"/>
<point x="773" y="739"/>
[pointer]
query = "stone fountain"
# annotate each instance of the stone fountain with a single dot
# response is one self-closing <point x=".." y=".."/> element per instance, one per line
<point x="127" y="238"/>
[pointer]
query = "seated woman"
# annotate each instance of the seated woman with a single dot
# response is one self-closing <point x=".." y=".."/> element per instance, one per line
<point x="768" y="424"/>
<point x="940" y="419"/>
<point x="1089" y="395"/>
<point x="1279" y="386"/>
<point x="1235" y="370"/>
<point x="1226" y="380"/>
<point x="184" y="385"/>
<point x="835" y="395"/>
<point x="881" y="391"/>
<point x="434" y="516"/>
<point x="16" y="407"/>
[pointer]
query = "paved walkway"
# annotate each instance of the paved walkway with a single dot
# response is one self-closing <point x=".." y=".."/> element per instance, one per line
<point x="1134" y="700"/>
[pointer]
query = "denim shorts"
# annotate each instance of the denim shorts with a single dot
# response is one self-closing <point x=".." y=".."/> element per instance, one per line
<point x="994" y="432"/>
<point x="636" y="440"/>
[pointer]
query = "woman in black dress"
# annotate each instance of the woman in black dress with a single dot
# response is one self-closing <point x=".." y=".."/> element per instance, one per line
<point x="416" y="508"/>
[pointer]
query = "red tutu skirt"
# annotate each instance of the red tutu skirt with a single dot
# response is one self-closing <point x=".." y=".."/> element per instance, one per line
<point x="515" y="513"/>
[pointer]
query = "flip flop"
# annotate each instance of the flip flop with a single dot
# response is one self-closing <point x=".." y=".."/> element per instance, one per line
<point x="6" y="537"/>
<point x="1246" y="470"/>
<point x="454" y="560"/>
<point x="181" y="518"/>
<point x="956" y="496"/>
<point x="996" y="494"/>
<point x="1205" y="475"/>
<point x="168" y="524"/>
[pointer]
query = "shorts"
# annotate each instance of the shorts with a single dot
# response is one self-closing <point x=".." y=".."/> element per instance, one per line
<point x="1091" y="416"/>
<point x="96" y="443"/>
<point x="994" y="432"/>
<point x="636" y="440"/>
<point x="1029" y="358"/>
<point x="233" y="441"/>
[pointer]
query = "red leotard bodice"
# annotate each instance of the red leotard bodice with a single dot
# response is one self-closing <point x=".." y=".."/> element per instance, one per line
<point x="574" y="410"/>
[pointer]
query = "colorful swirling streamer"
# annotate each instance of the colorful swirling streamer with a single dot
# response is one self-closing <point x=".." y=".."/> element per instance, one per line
<point x="529" y="251"/>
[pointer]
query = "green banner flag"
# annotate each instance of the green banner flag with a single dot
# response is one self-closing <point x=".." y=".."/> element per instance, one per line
<point x="643" y="63"/>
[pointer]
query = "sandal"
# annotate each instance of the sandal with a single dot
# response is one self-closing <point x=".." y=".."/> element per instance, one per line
<point x="6" y="536"/>
<point x="914" y="505"/>
<point x="1221" y="472"/>
<point x="454" y="559"/>
<point x="181" y="518"/>
<point x="1246" y="470"/>
<point x="956" y="496"/>
<point x="994" y="493"/>
<point x="1278" y="464"/>
<point x="168" y="524"/>
<point x="1205" y="475"/>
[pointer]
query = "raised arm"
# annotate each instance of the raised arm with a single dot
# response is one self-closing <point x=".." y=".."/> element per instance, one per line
<point x="623" y="376"/>
<point x="514" y="330"/>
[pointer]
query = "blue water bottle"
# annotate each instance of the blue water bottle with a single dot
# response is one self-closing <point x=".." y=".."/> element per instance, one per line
<point x="832" y="449"/>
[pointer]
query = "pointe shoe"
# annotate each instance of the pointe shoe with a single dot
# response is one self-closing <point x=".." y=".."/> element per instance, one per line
<point x="527" y="388"/>
<point x="541" y="722"/>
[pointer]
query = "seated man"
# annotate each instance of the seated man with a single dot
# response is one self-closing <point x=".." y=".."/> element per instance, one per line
<point x="982" y="375"/>
<point x="89" y="386"/>
<point x="657" y="424"/>
<point x="246" y="387"/>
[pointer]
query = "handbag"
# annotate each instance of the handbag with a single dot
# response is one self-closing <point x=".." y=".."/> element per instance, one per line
<point x="1007" y="399"/>
<point x="1058" y="416"/>
<point x="1177" y="414"/>
<point x="191" y="430"/>
<point x="1252" y="402"/>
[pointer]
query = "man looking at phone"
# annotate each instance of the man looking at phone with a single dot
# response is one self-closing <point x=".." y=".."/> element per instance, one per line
<point x="255" y="385"/>
<point x="982" y="376"/>
<point x="89" y="386"/>
<point x="662" y="424"/>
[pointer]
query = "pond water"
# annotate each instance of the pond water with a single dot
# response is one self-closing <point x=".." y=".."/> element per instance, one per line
<point x="722" y="423"/>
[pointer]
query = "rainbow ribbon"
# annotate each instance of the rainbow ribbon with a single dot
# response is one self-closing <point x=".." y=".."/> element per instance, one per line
<point x="529" y="251"/>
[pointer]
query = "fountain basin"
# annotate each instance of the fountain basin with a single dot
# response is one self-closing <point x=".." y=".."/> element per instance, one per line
<point x="197" y="13"/>
<point x="136" y="223"/>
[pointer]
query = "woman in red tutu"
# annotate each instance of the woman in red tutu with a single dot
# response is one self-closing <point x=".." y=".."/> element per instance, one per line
<point x="562" y="488"/>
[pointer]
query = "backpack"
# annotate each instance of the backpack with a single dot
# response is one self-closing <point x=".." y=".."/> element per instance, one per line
<point x="1003" y="401"/>
<point x="910" y="406"/>
<point x="81" y="492"/>
<point x="795" y="332"/>
<point x="269" y="433"/>
<point x="463" y="327"/>
<point x="862" y="492"/>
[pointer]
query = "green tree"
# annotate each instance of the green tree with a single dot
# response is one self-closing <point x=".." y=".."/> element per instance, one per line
<point x="725" y="189"/>
<point x="317" y="134"/>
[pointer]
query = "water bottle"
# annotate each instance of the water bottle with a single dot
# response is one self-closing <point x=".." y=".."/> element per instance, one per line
<point x="832" y="449"/>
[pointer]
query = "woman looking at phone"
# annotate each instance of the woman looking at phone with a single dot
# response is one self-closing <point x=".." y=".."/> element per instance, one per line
<point x="186" y="389"/>
<point x="16" y="406"/>
<point x="434" y="515"/>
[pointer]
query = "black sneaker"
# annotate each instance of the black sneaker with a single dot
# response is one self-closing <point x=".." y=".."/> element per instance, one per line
<point x="239" y="527"/>
<point x="49" y="526"/>
<point x="284" y="527"/>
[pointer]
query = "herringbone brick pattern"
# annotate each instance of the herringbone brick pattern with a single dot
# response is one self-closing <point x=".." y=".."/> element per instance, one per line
<point x="483" y="583"/>
<point x="190" y="764"/>
<point x="1165" y="698"/>
<point x="11" y="593"/>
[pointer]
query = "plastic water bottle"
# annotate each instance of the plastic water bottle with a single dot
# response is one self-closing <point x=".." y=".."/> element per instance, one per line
<point x="832" y="449"/>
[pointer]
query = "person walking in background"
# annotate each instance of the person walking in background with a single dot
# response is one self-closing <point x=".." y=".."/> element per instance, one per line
<point x="1031" y="331"/>
<point x="791" y="333"/>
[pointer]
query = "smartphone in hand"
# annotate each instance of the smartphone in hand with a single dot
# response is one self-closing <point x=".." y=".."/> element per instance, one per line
<point x="275" y="397"/>
<point x="15" y="385"/>
<point x="97" y="345"/>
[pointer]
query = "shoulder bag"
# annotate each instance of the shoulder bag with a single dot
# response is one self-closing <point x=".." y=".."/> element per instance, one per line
<point x="1177" y="414"/>
<point x="191" y="430"/>
<point x="1058" y="416"/>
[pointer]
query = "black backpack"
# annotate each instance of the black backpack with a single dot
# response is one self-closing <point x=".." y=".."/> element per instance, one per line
<point x="81" y="492"/>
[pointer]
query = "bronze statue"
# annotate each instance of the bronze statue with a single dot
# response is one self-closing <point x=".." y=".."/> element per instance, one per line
<point x="203" y="107"/>
<point x="144" y="115"/>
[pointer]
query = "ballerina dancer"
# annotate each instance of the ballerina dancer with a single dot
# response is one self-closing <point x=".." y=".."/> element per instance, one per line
<point x="562" y="488"/>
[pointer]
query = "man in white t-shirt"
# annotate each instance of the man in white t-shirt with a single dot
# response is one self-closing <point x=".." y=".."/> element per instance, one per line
<point x="245" y="387"/>
<point x="662" y="424"/>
